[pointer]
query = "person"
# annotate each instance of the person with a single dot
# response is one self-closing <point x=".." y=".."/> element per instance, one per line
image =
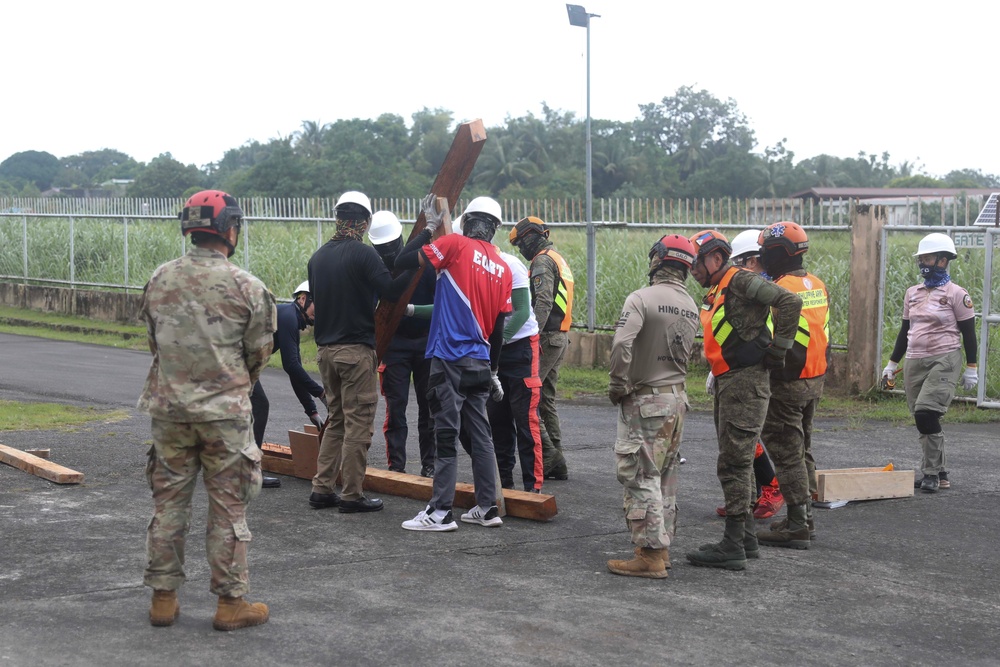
<point x="347" y="278"/>
<point x="769" y="501"/>
<point x="649" y="355"/>
<point x="292" y="318"/>
<point x="552" y="300"/>
<point x="210" y="328"/>
<point x="935" y="315"/>
<point x="796" y="388"/>
<point x="740" y="350"/>
<point x="472" y="298"/>
<point x="405" y="357"/>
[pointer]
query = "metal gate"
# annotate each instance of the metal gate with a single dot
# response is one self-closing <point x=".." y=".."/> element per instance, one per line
<point x="989" y="320"/>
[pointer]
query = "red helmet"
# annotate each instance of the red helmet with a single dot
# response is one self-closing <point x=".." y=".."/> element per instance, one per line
<point x="708" y="241"/>
<point x="211" y="211"/>
<point x="674" y="247"/>
<point x="787" y="235"/>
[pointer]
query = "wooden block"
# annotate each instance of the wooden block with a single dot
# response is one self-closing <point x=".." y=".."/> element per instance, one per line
<point x="305" y="448"/>
<point x="40" y="453"/>
<point x="274" y="449"/>
<point x="534" y="506"/>
<point x="39" y="467"/>
<point x="309" y="428"/>
<point x="863" y="484"/>
<point x="278" y="465"/>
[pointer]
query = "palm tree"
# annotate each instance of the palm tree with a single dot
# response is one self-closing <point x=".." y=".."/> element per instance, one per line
<point x="309" y="140"/>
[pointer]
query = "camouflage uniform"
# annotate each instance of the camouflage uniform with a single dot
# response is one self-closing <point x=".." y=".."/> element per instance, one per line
<point x="552" y="343"/>
<point x="205" y="361"/>
<point x="788" y="434"/>
<point x="652" y="343"/>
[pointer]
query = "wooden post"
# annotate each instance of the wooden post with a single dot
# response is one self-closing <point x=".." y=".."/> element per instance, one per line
<point x="863" y="315"/>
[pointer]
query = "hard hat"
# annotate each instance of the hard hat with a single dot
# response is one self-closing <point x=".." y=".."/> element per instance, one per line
<point x="787" y="235"/>
<point x="709" y="240"/>
<point x="211" y="211"/>
<point x="525" y="226"/>
<point x="745" y="243"/>
<point x="385" y="227"/>
<point x="486" y="205"/>
<point x="304" y="287"/>
<point x="353" y="201"/>
<point x="936" y="242"/>
<point x="674" y="247"/>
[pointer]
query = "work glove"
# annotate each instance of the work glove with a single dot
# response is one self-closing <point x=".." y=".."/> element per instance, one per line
<point x="496" y="389"/>
<point x="889" y="375"/>
<point x="774" y="359"/>
<point x="616" y="394"/>
<point x="432" y="216"/>
<point x="710" y="384"/>
<point x="409" y="310"/>
<point x="970" y="378"/>
<point x="316" y="421"/>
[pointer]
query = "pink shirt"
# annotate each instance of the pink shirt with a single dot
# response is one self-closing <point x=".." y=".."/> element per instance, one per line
<point x="934" y="313"/>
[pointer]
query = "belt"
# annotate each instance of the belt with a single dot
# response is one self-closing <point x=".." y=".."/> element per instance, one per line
<point x="674" y="389"/>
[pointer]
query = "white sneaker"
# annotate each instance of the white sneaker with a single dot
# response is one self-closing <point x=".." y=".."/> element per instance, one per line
<point x="490" y="517"/>
<point x="425" y="521"/>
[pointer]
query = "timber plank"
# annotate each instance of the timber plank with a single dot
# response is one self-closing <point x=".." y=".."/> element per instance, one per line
<point x="39" y="467"/>
<point x="278" y="465"/>
<point x="40" y="453"/>
<point x="863" y="484"/>
<point x="305" y="449"/>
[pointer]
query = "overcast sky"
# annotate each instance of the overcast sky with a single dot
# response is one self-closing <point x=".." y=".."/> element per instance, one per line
<point x="197" y="78"/>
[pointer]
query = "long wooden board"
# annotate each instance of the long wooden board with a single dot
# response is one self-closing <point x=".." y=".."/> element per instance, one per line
<point x="455" y="171"/>
<point x="39" y="467"/>
<point x="863" y="484"/>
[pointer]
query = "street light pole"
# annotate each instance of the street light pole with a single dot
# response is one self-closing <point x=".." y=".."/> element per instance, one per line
<point x="579" y="17"/>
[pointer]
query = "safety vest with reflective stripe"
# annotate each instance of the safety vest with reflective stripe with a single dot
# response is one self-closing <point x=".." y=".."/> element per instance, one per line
<point x="561" y="315"/>
<point x="808" y="356"/>
<point x="724" y="348"/>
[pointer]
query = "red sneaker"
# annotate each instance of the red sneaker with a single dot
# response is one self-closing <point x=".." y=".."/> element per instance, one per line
<point x="770" y="502"/>
<point x="721" y="511"/>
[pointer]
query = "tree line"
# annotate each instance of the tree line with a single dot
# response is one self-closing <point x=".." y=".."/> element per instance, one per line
<point x="689" y="144"/>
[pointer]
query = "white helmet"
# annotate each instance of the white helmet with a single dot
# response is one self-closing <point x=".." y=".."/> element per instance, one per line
<point x="304" y="287"/>
<point x="486" y="205"/>
<point x="385" y="228"/>
<point x="745" y="243"/>
<point x="355" y="197"/>
<point x="936" y="242"/>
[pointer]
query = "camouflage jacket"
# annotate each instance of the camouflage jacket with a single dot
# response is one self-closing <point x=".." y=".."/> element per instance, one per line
<point x="210" y="326"/>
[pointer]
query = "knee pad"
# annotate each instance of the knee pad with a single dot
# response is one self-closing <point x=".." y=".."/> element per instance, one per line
<point x="445" y="440"/>
<point x="928" y="421"/>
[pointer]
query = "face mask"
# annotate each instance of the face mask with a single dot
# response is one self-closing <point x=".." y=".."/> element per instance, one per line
<point x="934" y="276"/>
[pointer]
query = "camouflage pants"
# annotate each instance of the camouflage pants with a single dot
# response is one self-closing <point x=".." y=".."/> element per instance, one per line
<point x="230" y="463"/>
<point x="741" y="399"/>
<point x="785" y="434"/>
<point x="649" y="437"/>
<point x="552" y="349"/>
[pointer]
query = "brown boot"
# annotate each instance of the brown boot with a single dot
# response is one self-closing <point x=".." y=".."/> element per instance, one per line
<point x="236" y="613"/>
<point x="650" y="563"/>
<point x="165" y="608"/>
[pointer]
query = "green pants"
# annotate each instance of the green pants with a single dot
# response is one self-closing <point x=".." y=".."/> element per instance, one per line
<point x="552" y="349"/>
<point x="930" y="385"/>
<point x="741" y="399"/>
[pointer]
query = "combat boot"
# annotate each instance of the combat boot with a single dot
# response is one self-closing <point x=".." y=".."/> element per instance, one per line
<point x="750" y="545"/>
<point x="650" y="563"/>
<point x="729" y="553"/>
<point x="794" y="534"/>
<point x="782" y="524"/>
<point x="236" y="613"/>
<point x="165" y="608"/>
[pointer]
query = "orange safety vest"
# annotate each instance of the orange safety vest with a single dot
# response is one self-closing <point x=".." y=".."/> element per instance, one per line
<point x="808" y="356"/>
<point x="561" y="316"/>
<point x="724" y="348"/>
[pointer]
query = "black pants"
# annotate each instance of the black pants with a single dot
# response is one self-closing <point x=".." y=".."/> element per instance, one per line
<point x="405" y="358"/>
<point x="260" y="407"/>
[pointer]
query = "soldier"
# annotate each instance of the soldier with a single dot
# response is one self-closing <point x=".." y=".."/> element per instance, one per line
<point x="552" y="300"/>
<point x="210" y="326"/>
<point x="649" y="354"/>
<point x="796" y="388"/>
<point x="347" y="277"/>
<point x="740" y="350"/>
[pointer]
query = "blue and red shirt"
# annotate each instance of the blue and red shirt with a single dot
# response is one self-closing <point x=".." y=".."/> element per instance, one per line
<point x="473" y="288"/>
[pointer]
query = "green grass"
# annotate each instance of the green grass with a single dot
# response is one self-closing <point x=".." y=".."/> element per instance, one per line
<point x="18" y="416"/>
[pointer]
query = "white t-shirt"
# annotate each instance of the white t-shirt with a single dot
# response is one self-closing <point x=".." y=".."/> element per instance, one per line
<point x="519" y="278"/>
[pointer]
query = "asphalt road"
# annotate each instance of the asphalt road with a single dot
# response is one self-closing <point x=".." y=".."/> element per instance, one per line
<point x="896" y="582"/>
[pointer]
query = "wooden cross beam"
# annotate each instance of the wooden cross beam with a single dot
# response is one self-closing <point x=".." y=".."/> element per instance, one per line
<point x="458" y="163"/>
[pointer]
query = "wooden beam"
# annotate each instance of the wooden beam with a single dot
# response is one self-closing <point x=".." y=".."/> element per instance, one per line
<point x="277" y="465"/>
<point x="305" y="449"/>
<point x="458" y="164"/>
<point x="40" y="453"/>
<point x="39" y="467"/>
<point x="863" y="315"/>
<point x="863" y="484"/>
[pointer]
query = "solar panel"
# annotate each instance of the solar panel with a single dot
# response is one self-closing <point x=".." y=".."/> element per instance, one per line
<point x="988" y="216"/>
